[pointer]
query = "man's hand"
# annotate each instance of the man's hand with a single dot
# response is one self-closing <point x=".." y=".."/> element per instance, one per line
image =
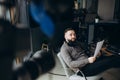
<point x="91" y="59"/>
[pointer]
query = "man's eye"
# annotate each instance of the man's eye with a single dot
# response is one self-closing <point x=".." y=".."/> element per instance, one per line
<point x="70" y="34"/>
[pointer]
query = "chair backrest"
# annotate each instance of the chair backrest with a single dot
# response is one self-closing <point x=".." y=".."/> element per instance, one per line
<point x="68" y="71"/>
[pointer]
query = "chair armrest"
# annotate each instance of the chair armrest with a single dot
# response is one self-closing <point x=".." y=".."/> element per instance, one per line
<point x="83" y="75"/>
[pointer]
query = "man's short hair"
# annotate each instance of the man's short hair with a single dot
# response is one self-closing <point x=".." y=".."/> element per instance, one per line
<point x="68" y="29"/>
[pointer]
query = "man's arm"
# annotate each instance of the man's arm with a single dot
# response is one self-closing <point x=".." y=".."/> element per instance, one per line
<point x="70" y="62"/>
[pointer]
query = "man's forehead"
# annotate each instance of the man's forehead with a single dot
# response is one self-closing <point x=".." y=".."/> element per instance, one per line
<point x="70" y="31"/>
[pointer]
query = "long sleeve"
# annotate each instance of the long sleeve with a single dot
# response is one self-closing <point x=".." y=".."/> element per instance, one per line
<point x="79" y="62"/>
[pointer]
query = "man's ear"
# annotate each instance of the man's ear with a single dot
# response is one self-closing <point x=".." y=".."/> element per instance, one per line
<point x="65" y="36"/>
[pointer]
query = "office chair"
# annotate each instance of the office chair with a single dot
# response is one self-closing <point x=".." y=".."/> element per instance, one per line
<point x="71" y="75"/>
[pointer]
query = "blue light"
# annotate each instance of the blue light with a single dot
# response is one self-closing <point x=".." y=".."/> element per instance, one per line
<point x="40" y="16"/>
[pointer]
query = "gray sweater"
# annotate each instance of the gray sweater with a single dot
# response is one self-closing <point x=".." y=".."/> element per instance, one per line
<point x="74" y="56"/>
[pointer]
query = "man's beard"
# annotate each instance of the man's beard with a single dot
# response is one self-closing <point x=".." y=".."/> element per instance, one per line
<point x="71" y="43"/>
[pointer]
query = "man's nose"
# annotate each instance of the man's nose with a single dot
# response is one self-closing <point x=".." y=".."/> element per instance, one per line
<point x="73" y="36"/>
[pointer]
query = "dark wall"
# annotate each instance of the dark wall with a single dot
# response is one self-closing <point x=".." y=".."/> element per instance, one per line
<point x="109" y="31"/>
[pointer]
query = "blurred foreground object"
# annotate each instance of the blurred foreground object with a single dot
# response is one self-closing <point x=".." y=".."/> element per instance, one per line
<point x="41" y="62"/>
